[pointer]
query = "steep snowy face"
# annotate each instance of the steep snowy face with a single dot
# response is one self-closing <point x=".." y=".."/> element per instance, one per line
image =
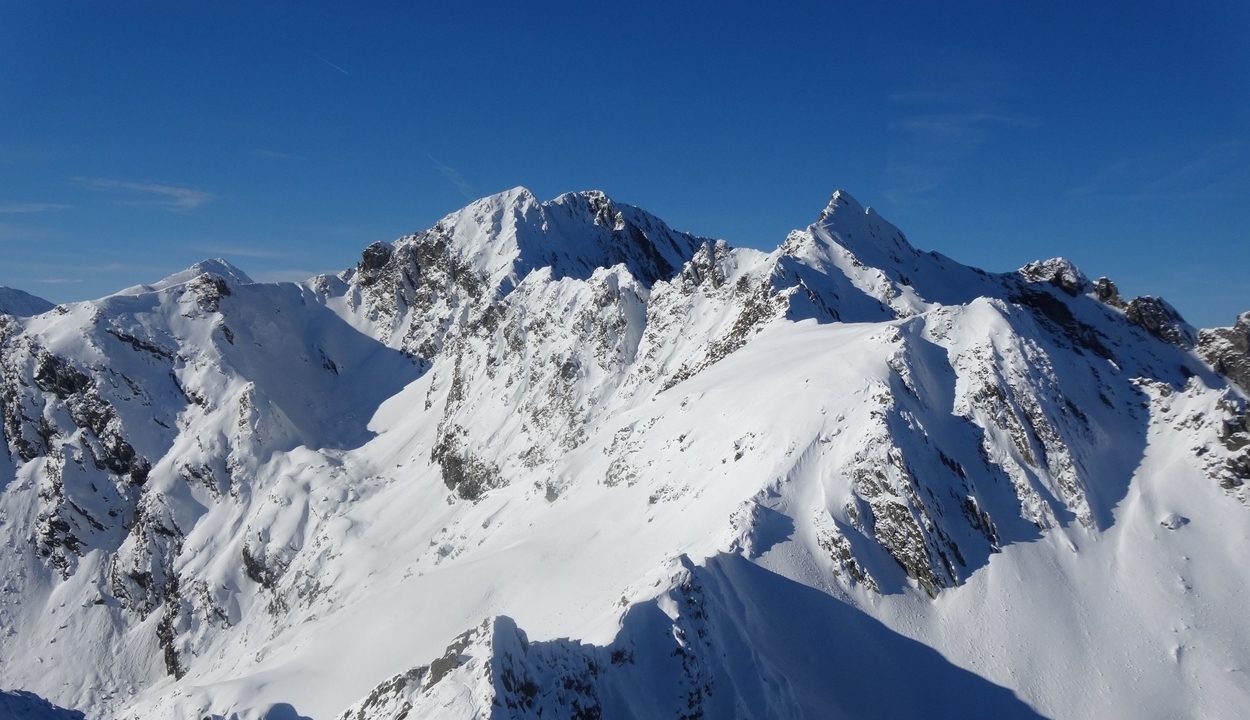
<point x="711" y="467"/>
<point x="854" y="266"/>
<point x="21" y="304"/>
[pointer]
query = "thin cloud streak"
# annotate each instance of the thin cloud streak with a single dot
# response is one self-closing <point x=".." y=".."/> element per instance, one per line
<point x="174" y="197"/>
<point x="327" y="62"/>
<point x="31" y="207"/>
<point x="1211" y="173"/>
<point x="454" y="178"/>
<point x="941" y="121"/>
<point x="932" y="146"/>
<point x="271" y="155"/>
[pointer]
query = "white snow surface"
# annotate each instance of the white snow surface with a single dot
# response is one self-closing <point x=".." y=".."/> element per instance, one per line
<point x="21" y="303"/>
<point x="555" y="459"/>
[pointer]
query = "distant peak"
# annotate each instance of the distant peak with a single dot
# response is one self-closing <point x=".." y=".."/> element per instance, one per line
<point x="214" y="266"/>
<point x="21" y="303"/>
<point x="221" y="267"/>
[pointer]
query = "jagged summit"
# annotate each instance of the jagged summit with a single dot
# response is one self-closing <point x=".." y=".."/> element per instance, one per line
<point x="505" y="236"/>
<point x="424" y="286"/>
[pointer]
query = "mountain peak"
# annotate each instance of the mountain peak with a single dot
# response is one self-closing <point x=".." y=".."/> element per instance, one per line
<point x="215" y="266"/>
<point x="505" y="236"/>
<point x="840" y="201"/>
<point x="861" y="231"/>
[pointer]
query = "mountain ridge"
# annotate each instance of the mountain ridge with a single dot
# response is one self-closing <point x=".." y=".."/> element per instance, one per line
<point x="560" y="413"/>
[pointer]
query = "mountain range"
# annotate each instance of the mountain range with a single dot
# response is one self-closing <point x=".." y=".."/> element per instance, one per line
<point x="558" y="460"/>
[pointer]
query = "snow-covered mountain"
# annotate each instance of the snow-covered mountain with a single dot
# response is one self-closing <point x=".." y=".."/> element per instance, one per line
<point x="20" y="303"/>
<point x="556" y="459"/>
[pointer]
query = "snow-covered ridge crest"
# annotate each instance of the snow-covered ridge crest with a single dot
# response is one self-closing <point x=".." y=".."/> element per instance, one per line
<point x="556" y="456"/>
<point x="215" y="266"/>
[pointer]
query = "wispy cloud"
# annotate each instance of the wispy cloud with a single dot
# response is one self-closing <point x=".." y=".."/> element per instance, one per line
<point x="454" y="178"/>
<point x="942" y="120"/>
<point x="327" y="62"/>
<point x="1217" y="170"/>
<point x="169" y="196"/>
<point x="932" y="147"/>
<point x="31" y="207"/>
<point x="1108" y="177"/>
<point x="271" y="155"/>
<point x="59" y="281"/>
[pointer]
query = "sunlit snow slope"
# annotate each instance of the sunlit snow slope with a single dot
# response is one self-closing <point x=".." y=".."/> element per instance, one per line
<point x="558" y="460"/>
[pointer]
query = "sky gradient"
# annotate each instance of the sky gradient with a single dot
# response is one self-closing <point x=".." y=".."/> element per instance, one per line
<point x="139" y="137"/>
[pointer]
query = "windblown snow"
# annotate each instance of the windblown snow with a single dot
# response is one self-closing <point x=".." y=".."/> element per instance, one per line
<point x="558" y="460"/>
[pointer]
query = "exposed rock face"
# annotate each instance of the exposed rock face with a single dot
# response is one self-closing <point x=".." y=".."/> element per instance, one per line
<point x="1227" y="350"/>
<point x="1108" y="293"/>
<point x="373" y="261"/>
<point x="1060" y="273"/>
<point x="1161" y="320"/>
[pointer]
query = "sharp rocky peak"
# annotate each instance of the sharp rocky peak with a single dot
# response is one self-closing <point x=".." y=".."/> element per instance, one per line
<point x="861" y="230"/>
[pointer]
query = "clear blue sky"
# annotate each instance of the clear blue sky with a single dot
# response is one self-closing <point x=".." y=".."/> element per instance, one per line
<point x="139" y="137"/>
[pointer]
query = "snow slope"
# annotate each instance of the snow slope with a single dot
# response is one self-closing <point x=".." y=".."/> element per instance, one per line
<point x="556" y="459"/>
<point x="20" y="303"/>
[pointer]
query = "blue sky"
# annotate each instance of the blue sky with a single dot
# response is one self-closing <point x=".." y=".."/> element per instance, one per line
<point x="139" y="137"/>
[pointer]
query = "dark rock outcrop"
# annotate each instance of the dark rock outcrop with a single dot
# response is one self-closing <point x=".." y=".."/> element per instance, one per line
<point x="1157" y="317"/>
<point x="1227" y="350"/>
<point x="1058" y="272"/>
<point x="1107" y="293"/>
